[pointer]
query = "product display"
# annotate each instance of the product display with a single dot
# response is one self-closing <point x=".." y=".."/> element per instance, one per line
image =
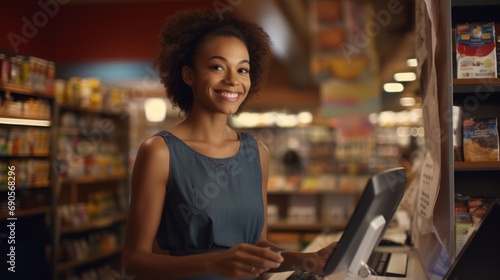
<point x="90" y="93"/>
<point x="476" y="51"/>
<point x="26" y="180"/>
<point x="12" y="105"/>
<point x="469" y="211"/>
<point x="91" y="161"/>
<point x="28" y="71"/>
<point x="480" y="139"/>
<point x="78" y="128"/>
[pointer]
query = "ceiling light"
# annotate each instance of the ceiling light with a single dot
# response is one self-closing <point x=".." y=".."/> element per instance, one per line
<point x="155" y="109"/>
<point x="407" y="101"/>
<point x="305" y="117"/>
<point x="412" y="62"/>
<point x="405" y="76"/>
<point x="393" y="87"/>
<point x="247" y="119"/>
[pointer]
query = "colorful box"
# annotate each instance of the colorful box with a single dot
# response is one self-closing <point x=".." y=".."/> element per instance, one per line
<point x="480" y="139"/>
<point x="476" y="51"/>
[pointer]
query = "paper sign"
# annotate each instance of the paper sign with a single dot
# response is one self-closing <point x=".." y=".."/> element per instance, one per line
<point x="429" y="188"/>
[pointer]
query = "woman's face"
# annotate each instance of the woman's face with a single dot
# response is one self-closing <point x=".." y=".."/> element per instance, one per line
<point x="220" y="76"/>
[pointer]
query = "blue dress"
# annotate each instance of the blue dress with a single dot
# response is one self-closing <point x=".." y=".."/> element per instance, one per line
<point x="211" y="204"/>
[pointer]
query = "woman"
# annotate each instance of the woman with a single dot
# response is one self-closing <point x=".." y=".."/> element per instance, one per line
<point x="199" y="189"/>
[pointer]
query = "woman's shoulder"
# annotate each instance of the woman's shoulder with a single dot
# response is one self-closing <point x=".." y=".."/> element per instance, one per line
<point x="154" y="146"/>
<point x="263" y="150"/>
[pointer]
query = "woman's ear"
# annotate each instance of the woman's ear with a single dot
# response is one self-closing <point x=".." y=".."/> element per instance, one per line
<point x="187" y="75"/>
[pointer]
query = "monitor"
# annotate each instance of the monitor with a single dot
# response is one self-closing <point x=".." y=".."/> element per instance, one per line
<point x="480" y="256"/>
<point x="376" y="207"/>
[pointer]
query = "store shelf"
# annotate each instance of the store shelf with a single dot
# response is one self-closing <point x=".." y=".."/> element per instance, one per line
<point x="31" y="187"/>
<point x="476" y="2"/>
<point x="95" y="224"/>
<point x="491" y="85"/>
<point x="5" y="116"/>
<point x="103" y="179"/>
<point x="92" y="180"/>
<point x="69" y="130"/>
<point x="27" y="212"/>
<point x="291" y="226"/>
<point x="79" y="109"/>
<point x="23" y="90"/>
<point x="41" y="156"/>
<point x="9" y="120"/>
<point x="476" y="166"/>
<point x="76" y="263"/>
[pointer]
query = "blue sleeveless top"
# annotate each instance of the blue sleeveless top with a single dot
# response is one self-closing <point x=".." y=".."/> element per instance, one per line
<point x="211" y="204"/>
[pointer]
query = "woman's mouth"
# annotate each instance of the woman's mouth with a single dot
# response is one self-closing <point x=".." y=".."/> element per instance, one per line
<point x="230" y="96"/>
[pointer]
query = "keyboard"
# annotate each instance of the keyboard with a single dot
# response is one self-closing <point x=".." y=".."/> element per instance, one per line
<point x="390" y="264"/>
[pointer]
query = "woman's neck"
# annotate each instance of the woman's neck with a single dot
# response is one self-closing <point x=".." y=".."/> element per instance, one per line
<point x="212" y="129"/>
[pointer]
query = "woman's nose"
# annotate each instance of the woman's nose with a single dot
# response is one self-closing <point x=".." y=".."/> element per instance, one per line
<point x="231" y="78"/>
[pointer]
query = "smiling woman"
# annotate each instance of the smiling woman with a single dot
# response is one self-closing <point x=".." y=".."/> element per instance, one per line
<point x="187" y="32"/>
<point x="222" y="77"/>
<point x="203" y="185"/>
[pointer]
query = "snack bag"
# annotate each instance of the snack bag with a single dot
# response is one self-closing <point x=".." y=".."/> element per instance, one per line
<point x="476" y="51"/>
<point x="480" y="139"/>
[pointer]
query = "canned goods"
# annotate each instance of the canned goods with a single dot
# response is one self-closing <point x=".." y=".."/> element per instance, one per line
<point x="5" y="68"/>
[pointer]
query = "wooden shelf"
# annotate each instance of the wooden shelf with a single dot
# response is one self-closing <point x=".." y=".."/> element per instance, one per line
<point x="487" y="81"/>
<point x="317" y="226"/>
<point x="27" y="212"/>
<point x="24" y="121"/>
<point x="76" y="263"/>
<point x="7" y="87"/>
<point x="27" y="188"/>
<point x="455" y="3"/>
<point x="476" y="165"/>
<point x="25" y="156"/>
<point x="75" y="108"/>
<point x="69" y="130"/>
<point x="91" y="180"/>
<point x="5" y="116"/>
<point x="95" y="224"/>
<point x="491" y="85"/>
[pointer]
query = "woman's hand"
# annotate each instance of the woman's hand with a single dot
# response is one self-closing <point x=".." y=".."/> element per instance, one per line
<point x="324" y="254"/>
<point x="244" y="261"/>
<point x="315" y="262"/>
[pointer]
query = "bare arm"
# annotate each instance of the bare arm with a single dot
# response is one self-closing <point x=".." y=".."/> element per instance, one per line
<point x="313" y="262"/>
<point x="149" y="179"/>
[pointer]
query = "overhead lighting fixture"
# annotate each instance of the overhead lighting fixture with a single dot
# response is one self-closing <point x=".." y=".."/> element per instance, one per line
<point x="28" y="122"/>
<point x="305" y="117"/>
<point x="412" y="62"/>
<point x="407" y="101"/>
<point x="155" y="109"/>
<point x="405" y="76"/>
<point x="393" y="87"/>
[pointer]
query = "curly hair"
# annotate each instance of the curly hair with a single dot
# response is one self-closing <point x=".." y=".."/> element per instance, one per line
<point x="185" y="31"/>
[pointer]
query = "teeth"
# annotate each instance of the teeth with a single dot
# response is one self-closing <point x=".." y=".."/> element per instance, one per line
<point x="229" y="94"/>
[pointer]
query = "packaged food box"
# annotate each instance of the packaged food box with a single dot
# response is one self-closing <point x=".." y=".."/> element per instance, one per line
<point x="476" y="51"/>
<point x="480" y="139"/>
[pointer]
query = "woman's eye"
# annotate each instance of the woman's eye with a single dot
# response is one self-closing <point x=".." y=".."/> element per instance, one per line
<point x="217" y="67"/>
<point x="244" y="70"/>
